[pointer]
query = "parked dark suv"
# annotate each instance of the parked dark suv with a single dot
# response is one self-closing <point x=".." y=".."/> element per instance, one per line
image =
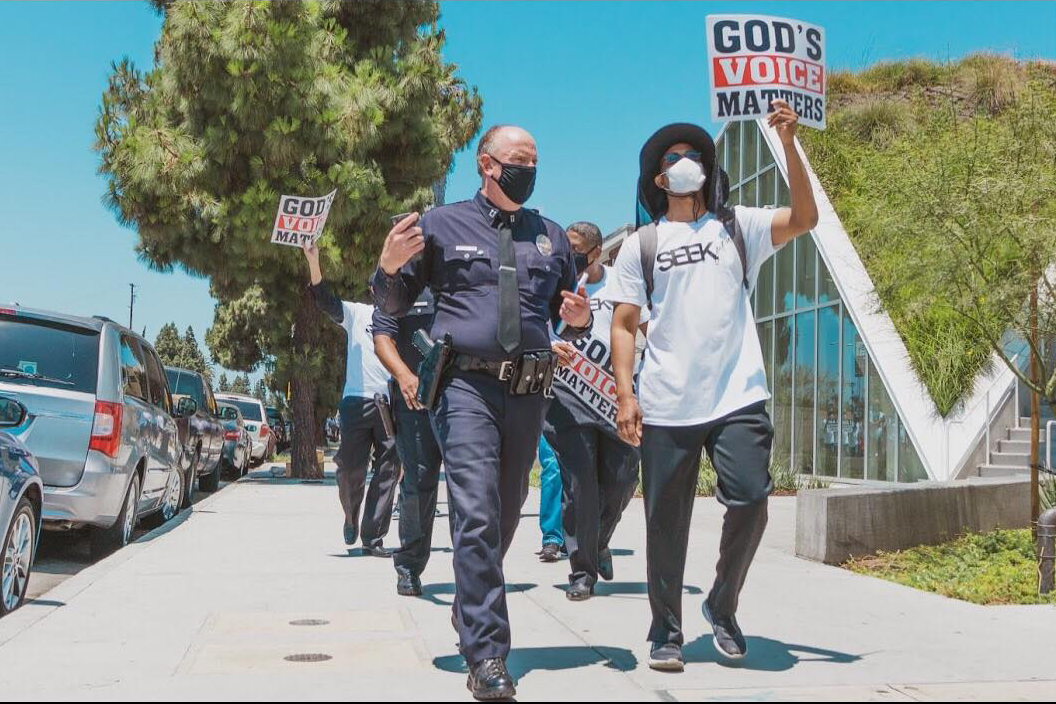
<point x="205" y="440"/>
<point x="278" y="426"/>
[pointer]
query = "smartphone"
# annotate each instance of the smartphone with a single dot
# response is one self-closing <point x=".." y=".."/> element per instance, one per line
<point x="396" y="218"/>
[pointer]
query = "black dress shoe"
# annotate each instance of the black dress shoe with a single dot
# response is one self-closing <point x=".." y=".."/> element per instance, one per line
<point x="378" y="551"/>
<point x="605" y="564"/>
<point x="488" y="680"/>
<point x="579" y="592"/>
<point x="408" y="585"/>
<point x="549" y="553"/>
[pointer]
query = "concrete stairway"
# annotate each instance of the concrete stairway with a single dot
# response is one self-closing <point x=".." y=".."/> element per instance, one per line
<point x="1011" y="454"/>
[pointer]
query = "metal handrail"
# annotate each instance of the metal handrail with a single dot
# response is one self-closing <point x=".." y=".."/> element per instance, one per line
<point x="990" y="414"/>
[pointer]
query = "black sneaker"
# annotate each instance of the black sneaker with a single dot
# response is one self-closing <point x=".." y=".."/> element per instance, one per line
<point x="666" y="657"/>
<point x="351" y="533"/>
<point x="408" y="585"/>
<point x="488" y="680"/>
<point x="579" y="592"/>
<point x="378" y="551"/>
<point x="549" y="553"/>
<point x="729" y="640"/>
<point x="605" y="565"/>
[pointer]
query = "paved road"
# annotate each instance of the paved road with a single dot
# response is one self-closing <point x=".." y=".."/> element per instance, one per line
<point x="212" y="606"/>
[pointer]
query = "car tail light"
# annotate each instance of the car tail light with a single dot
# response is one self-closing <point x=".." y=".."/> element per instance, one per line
<point x="106" y="428"/>
<point x="263" y="431"/>
<point x="230" y="435"/>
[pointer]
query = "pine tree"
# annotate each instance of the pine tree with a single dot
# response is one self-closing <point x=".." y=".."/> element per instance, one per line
<point x="241" y="385"/>
<point x="193" y="357"/>
<point x="169" y="346"/>
<point x="248" y="101"/>
<point x="224" y="384"/>
<point x="261" y="391"/>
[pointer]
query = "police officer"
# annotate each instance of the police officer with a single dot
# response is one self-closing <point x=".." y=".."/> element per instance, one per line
<point x="362" y="430"/>
<point x="499" y="274"/>
<point x="415" y="441"/>
<point x="599" y="471"/>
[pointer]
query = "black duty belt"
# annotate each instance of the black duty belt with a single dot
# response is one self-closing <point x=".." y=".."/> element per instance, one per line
<point x="531" y="373"/>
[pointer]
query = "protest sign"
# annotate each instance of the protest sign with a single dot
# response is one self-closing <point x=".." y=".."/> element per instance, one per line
<point x="591" y="382"/>
<point x="301" y="219"/>
<point x="755" y="59"/>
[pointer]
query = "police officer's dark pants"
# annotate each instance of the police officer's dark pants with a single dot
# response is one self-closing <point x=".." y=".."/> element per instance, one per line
<point x="739" y="448"/>
<point x="598" y="474"/>
<point x="420" y="457"/>
<point x="363" y="438"/>
<point x="488" y="438"/>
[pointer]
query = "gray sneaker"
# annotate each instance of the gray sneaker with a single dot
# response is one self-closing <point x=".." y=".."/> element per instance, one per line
<point x="666" y="657"/>
<point x="729" y="640"/>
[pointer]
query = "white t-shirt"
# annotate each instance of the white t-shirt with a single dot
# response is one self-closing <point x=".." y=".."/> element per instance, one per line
<point x="587" y="385"/>
<point x="364" y="373"/>
<point x="702" y="355"/>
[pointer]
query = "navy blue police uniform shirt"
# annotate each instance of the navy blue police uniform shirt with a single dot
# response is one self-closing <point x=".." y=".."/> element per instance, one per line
<point x="460" y="263"/>
<point x="402" y="329"/>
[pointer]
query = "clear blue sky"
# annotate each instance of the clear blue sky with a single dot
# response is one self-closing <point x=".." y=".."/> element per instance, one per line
<point x="590" y="80"/>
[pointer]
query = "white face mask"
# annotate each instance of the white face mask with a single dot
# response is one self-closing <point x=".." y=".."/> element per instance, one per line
<point x="685" y="177"/>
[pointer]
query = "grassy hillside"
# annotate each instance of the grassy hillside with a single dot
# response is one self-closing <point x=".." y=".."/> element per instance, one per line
<point x="895" y="128"/>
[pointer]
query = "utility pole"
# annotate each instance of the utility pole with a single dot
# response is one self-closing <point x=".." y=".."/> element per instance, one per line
<point x="131" y="303"/>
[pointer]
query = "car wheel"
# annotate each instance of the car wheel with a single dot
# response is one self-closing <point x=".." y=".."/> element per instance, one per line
<point x="170" y="503"/>
<point x="210" y="482"/>
<point x="107" y="540"/>
<point x="17" y="551"/>
<point x="191" y="480"/>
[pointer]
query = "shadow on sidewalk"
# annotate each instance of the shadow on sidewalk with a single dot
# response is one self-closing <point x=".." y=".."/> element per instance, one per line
<point x="765" y="654"/>
<point x="432" y="592"/>
<point x="521" y="661"/>
<point x="619" y="588"/>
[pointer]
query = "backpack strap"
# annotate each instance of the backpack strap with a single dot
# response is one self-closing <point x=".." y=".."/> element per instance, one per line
<point x="729" y="221"/>
<point x="647" y="242"/>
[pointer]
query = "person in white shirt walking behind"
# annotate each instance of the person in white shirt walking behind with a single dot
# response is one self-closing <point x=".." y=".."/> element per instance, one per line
<point x="702" y="385"/>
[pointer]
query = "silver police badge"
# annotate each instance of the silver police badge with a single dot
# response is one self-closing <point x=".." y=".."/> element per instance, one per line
<point x="544" y="245"/>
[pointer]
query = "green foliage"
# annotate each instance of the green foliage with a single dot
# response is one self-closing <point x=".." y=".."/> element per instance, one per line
<point x="182" y="352"/>
<point x="241" y="385"/>
<point x="992" y="568"/>
<point x="261" y="392"/>
<point x="224" y="384"/>
<point x="247" y="101"/>
<point x="945" y="178"/>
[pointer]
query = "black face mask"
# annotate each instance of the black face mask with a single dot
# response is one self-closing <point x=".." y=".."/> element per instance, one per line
<point x="581" y="261"/>
<point x="516" y="182"/>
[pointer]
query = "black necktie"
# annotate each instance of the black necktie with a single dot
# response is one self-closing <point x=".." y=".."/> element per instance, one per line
<point x="509" y="334"/>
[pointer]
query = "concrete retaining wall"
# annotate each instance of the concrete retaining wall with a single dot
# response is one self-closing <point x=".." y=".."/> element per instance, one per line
<point x="833" y="525"/>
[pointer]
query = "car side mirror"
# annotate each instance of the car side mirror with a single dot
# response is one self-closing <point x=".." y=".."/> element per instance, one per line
<point x="187" y="406"/>
<point x="12" y="412"/>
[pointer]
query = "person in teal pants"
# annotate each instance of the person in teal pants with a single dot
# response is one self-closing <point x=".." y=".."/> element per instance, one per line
<point x="550" y="504"/>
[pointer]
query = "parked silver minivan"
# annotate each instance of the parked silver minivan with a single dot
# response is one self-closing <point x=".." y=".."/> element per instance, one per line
<point x="100" y="422"/>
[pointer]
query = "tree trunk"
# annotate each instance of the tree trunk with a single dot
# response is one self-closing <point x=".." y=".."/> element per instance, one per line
<point x="304" y="391"/>
<point x="1035" y="419"/>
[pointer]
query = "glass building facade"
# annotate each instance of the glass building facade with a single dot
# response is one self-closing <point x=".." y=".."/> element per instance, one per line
<point x="832" y="415"/>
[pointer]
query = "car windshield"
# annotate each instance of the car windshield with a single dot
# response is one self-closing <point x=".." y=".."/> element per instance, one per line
<point x="187" y="385"/>
<point x="49" y="354"/>
<point x="250" y="410"/>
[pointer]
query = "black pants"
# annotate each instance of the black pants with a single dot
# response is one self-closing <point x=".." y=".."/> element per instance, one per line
<point x="363" y="438"/>
<point x="599" y="474"/>
<point x="739" y="448"/>
<point x="420" y="457"/>
<point x="488" y="438"/>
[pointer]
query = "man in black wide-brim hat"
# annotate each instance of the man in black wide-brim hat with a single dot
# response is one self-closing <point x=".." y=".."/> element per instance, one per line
<point x="702" y="385"/>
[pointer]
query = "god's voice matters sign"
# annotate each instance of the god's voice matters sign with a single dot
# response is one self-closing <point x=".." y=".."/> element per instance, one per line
<point x="755" y="59"/>
<point x="301" y="219"/>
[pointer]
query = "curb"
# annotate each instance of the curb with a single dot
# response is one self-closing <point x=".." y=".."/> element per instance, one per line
<point x="55" y="598"/>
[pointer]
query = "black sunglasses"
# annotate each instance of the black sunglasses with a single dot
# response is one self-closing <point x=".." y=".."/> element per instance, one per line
<point x="672" y="158"/>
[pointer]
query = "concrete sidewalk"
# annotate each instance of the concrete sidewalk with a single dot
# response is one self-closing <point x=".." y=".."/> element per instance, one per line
<point x="210" y="606"/>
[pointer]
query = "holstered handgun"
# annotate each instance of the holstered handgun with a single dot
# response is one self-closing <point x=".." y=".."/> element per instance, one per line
<point x="385" y="411"/>
<point x="437" y="357"/>
<point x="534" y="373"/>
